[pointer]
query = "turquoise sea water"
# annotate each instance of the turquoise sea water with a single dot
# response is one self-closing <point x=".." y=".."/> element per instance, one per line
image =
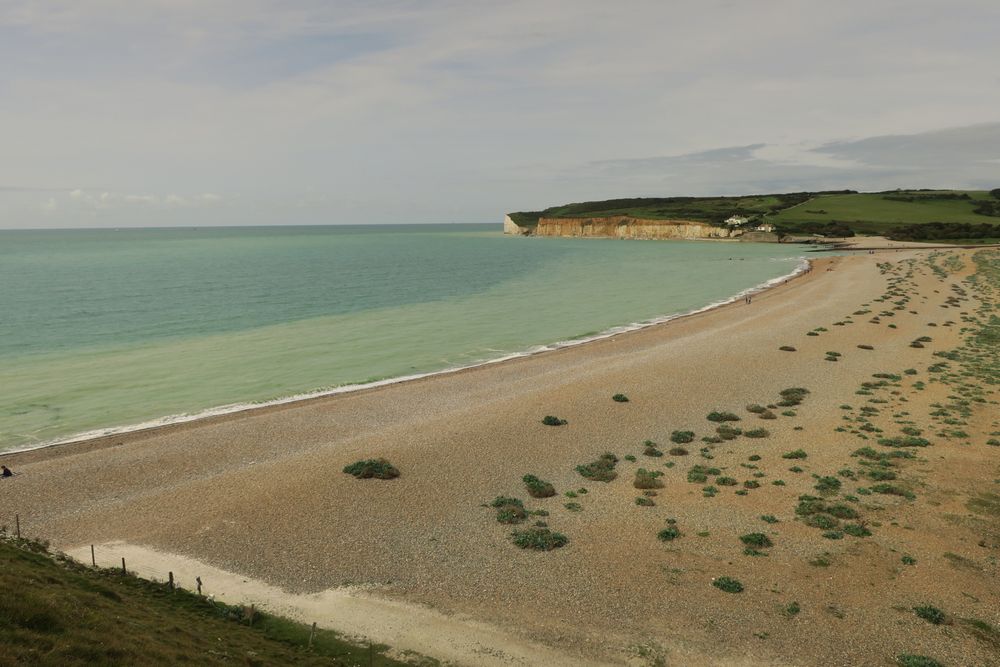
<point x="102" y="329"/>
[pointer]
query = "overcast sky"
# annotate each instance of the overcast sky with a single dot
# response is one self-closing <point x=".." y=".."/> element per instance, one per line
<point x="196" y="112"/>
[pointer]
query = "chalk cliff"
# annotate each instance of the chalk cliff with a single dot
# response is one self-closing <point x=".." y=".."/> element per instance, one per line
<point x="620" y="227"/>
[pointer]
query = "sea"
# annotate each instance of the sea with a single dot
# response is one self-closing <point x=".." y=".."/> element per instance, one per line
<point x="103" y="331"/>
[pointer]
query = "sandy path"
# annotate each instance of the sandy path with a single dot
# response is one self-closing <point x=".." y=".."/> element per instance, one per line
<point x="262" y="494"/>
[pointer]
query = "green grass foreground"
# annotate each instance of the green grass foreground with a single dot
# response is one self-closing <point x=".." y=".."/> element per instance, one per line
<point x="56" y="611"/>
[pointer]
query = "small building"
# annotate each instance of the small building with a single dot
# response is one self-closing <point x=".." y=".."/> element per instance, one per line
<point x="766" y="227"/>
<point x="737" y="220"/>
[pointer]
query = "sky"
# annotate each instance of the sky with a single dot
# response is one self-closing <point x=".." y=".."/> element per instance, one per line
<point x="199" y="112"/>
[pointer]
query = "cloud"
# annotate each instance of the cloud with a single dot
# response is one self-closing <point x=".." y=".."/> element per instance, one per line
<point x="439" y="110"/>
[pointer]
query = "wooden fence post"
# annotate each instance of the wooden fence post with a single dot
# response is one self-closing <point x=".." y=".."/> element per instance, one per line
<point x="198" y="580"/>
<point x="170" y="580"/>
<point x="124" y="571"/>
<point x="17" y="524"/>
<point x="253" y="610"/>
<point x="312" y="633"/>
<point x="93" y="558"/>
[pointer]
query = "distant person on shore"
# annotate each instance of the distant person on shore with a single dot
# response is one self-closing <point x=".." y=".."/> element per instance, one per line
<point x="5" y="472"/>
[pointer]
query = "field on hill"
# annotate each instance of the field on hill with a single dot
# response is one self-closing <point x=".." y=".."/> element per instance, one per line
<point x="877" y="213"/>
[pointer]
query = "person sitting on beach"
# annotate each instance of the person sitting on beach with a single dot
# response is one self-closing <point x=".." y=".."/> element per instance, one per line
<point x="5" y="472"/>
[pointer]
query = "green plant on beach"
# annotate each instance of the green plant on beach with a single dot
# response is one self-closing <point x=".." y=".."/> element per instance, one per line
<point x="538" y="488"/>
<point x="728" y="584"/>
<point x="930" y="614"/>
<point x="620" y="398"/>
<point x="550" y="420"/>
<point x="682" y="437"/>
<point x="722" y="417"/>
<point x="539" y="539"/>
<point x="601" y="469"/>
<point x="372" y="468"/>
<point x="646" y="479"/>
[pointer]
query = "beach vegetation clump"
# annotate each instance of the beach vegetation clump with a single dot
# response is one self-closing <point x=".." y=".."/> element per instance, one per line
<point x="668" y="534"/>
<point x="827" y="485"/>
<point x="865" y="347"/>
<point x="751" y="484"/>
<point x="678" y="451"/>
<point x="842" y="511"/>
<point x="728" y="585"/>
<point x="647" y="479"/>
<point x="757" y="433"/>
<point x="722" y="417"/>
<point x="727" y="432"/>
<point x="893" y="490"/>
<point x="726" y="481"/>
<point x="908" y="441"/>
<point x="682" y="437"/>
<point x="768" y="518"/>
<point x="930" y="614"/>
<point x="792" y="396"/>
<point x="795" y="454"/>
<point x="821" y="521"/>
<point x="574" y="507"/>
<point x="856" y="530"/>
<point x="881" y="475"/>
<point x="767" y="414"/>
<point x="787" y="348"/>
<point x="539" y="539"/>
<point x="698" y="474"/>
<point x="756" y="408"/>
<point x="911" y="660"/>
<point x="509" y="510"/>
<point x="643" y="501"/>
<point x="757" y="540"/>
<point x="650" y="449"/>
<point x="372" y="469"/>
<point x="550" y="420"/>
<point x="538" y="488"/>
<point x="620" y="398"/>
<point x="601" y="469"/>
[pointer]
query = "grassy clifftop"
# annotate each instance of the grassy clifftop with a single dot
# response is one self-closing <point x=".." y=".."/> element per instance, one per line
<point x="704" y="209"/>
<point x="55" y="611"/>
<point x="829" y="212"/>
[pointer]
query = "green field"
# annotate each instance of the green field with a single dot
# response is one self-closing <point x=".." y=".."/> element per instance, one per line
<point x="872" y="213"/>
<point x="55" y="611"/>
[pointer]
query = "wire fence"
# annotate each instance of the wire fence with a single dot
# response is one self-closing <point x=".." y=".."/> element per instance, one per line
<point x="157" y="575"/>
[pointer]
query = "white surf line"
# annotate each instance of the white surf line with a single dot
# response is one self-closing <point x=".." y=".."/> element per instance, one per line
<point x="351" y="611"/>
<point x="233" y="408"/>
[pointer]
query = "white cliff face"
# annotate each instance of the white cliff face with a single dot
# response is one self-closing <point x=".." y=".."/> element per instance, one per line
<point x="621" y="227"/>
<point x="511" y="227"/>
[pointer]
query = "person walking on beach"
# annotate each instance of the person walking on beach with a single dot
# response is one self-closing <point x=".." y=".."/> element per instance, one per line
<point x="5" y="472"/>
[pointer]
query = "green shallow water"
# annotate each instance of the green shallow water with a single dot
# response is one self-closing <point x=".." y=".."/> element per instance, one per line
<point x="103" y="329"/>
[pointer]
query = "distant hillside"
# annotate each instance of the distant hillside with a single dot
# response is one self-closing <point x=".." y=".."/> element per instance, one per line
<point x="55" y="611"/>
<point x="880" y="212"/>
<point x="832" y="213"/>
<point x="703" y="209"/>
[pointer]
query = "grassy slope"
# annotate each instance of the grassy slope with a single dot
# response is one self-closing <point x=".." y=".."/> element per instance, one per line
<point x="707" y="209"/>
<point x="57" y="612"/>
<point x="870" y="213"/>
<point x="865" y="213"/>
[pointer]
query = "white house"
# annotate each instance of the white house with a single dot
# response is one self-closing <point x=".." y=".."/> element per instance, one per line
<point x="737" y="220"/>
<point x="766" y="227"/>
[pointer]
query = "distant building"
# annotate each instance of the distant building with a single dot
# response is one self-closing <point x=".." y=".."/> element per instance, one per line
<point x="766" y="227"/>
<point x="737" y="220"/>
